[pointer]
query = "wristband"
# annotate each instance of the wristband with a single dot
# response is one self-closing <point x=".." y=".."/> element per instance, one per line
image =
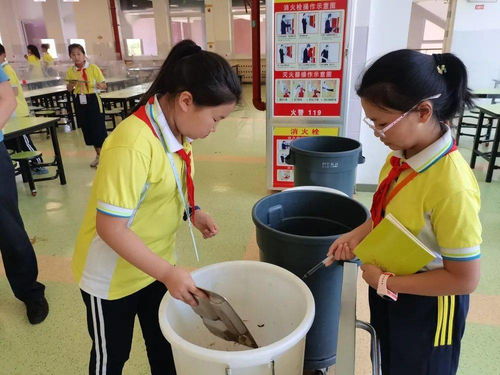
<point x="191" y="210"/>
<point x="382" y="290"/>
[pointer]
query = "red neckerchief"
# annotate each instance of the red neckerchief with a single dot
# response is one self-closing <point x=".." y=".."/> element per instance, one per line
<point x="381" y="198"/>
<point x="84" y="75"/>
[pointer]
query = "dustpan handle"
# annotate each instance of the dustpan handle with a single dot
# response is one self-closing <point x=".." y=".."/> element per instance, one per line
<point x="229" y="371"/>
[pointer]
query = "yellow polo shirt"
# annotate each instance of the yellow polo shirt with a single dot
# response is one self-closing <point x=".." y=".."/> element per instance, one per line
<point x="134" y="180"/>
<point x="48" y="59"/>
<point x="22" y="109"/>
<point x="36" y="71"/>
<point x="441" y="205"/>
<point x="94" y="75"/>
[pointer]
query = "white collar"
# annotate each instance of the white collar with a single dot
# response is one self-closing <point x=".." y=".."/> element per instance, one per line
<point x="429" y="155"/>
<point x="172" y="143"/>
<point x="4" y="63"/>
<point x="85" y="66"/>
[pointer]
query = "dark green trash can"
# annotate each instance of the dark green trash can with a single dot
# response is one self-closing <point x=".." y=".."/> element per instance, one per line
<point x="326" y="161"/>
<point x="294" y="230"/>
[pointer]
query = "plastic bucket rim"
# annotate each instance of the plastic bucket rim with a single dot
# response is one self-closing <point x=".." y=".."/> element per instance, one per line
<point x="260" y="224"/>
<point x="325" y="154"/>
<point x="245" y="357"/>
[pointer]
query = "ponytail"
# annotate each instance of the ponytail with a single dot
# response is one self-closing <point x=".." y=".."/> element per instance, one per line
<point x="457" y="94"/>
<point x="400" y="79"/>
<point x="207" y="76"/>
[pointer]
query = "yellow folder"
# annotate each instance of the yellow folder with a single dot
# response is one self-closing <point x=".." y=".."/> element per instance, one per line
<point x="394" y="248"/>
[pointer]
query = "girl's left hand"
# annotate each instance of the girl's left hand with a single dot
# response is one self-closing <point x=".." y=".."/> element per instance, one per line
<point x="205" y="224"/>
<point x="371" y="274"/>
<point x="101" y="85"/>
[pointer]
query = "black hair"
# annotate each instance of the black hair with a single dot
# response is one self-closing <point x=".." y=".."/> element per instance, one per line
<point x="45" y="46"/>
<point x="206" y="75"/>
<point x="401" y="79"/>
<point x="71" y="47"/>
<point x="33" y="50"/>
<point x="2" y="49"/>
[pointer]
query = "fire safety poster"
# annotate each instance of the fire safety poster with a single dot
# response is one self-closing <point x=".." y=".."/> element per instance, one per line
<point x="309" y="51"/>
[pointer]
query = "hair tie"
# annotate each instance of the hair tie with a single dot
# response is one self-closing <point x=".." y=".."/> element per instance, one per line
<point x="440" y="66"/>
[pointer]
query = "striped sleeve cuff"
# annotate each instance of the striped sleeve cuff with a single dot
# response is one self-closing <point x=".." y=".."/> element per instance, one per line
<point x="111" y="210"/>
<point x="463" y="254"/>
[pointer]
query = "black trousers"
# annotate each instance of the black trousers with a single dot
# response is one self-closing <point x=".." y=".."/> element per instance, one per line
<point x="17" y="252"/>
<point x="111" y="326"/>
<point x="23" y="143"/>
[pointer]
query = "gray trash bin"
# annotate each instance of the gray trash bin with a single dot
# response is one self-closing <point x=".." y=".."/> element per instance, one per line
<point x="326" y="161"/>
<point x="294" y="230"/>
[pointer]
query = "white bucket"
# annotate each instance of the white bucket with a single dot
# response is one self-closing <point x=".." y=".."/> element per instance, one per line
<point x="277" y="307"/>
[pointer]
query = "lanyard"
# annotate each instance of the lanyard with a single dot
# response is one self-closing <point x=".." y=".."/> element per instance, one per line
<point x="176" y="175"/>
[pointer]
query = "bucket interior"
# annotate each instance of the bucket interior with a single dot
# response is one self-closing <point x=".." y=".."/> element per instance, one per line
<point x="311" y="226"/>
<point x="272" y="305"/>
<point x="309" y="213"/>
<point x="326" y="144"/>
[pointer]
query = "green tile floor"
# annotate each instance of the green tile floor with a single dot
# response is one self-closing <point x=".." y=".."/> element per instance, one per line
<point x="230" y="178"/>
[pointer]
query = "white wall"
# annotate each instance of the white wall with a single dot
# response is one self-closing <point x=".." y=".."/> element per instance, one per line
<point x="476" y="40"/>
<point x="388" y="23"/>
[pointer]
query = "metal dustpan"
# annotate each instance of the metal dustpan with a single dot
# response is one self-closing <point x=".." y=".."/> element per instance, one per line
<point x="221" y="319"/>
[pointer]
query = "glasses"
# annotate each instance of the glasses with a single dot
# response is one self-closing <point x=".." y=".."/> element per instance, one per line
<point x="381" y="132"/>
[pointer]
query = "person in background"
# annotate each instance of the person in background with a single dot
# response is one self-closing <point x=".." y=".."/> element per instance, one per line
<point x="84" y="82"/>
<point x="18" y="256"/>
<point x="33" y="58"/>
<point x="47" y="61"/>
<point x="23" y="143"/>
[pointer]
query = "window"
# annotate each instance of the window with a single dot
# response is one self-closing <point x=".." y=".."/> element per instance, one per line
<point x="134" y="47"/>
<point x="80" y="42"/>
<point x="188" y="22"/>
<point x="138" y="28"/>
<point x="242" y="30"/>
<point x="52" y="48"/>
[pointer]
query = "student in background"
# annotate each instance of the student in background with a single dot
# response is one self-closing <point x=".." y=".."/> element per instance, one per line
<point x="84" y="81"/>
<point x="47" y="61"/>
<point x="23" y="143"/>
<point x="18" y="256"/>
<point x="408" y="98"/>
<point x="304" y="23"/>
<point x="124" y="259"/>
<point x="33" y="58"/>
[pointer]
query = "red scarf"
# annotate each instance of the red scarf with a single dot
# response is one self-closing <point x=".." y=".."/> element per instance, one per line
<point x="84" y="76"/>
<point x="186" y="156"/>
<point x="381" y="198"/>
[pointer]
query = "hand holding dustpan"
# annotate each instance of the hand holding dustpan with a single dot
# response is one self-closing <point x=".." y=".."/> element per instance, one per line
<point x="221" y="319"/>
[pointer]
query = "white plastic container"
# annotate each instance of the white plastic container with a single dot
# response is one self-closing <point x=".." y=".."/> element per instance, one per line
<point x="277" y="308"/>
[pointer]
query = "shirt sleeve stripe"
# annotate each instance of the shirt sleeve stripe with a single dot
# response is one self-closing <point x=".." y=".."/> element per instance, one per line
<point x="462" y="259"/>
<point x="109" y="209"/>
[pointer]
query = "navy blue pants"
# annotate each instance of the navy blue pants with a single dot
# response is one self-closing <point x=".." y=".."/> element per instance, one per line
<point x="419" y="335"/>
<point x="17" y="252"/>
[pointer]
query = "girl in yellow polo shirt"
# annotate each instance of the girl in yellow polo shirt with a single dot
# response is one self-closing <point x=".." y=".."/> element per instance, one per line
<point x="33" y="58"/>
<point x="409" y="98"/>
<point x="47" y="61"/>
<point x="124" y="259"/>
<point x="84" y="81"/>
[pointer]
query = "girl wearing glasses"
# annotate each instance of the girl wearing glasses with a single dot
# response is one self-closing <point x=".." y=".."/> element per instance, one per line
<point x="409" y="98"/>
